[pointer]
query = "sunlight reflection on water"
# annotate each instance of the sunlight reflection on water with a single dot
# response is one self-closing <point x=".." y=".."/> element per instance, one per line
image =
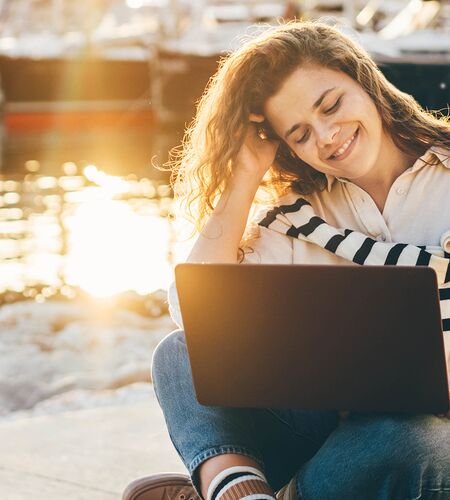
<point x="104" y="234"/>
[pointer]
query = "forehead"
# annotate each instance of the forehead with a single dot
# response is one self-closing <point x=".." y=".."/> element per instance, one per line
<point x="300" y="91"/>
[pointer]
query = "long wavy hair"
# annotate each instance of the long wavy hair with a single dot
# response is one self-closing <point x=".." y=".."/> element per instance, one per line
<point x="202" y="167"/>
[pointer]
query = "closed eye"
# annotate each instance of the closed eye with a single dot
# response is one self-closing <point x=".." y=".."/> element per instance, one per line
<point x="327" y="112"/>
<point x="302" y="139"/>
<point x="334" y="107"/>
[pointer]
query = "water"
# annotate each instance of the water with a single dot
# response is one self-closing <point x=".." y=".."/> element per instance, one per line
<point x="85" y="212"/>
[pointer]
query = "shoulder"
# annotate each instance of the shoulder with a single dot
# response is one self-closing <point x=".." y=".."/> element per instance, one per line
<point x="287" y="203"/>
<point x="262" y="244"/>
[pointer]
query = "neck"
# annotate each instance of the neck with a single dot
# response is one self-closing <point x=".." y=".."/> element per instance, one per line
<point x="391" y="163"/>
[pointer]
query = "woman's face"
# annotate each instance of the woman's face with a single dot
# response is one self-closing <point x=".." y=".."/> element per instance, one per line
<point x="327" y="119"/>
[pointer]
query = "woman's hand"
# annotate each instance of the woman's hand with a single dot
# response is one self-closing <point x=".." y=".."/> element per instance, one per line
<point x="257" y="152"/>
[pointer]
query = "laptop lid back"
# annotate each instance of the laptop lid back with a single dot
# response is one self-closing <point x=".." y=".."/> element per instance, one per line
<point x="363" y="338"/>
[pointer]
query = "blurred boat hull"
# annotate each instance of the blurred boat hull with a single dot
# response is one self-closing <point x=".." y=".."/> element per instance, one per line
<point x="427" y="78"/>
<point x="42" y="93"/>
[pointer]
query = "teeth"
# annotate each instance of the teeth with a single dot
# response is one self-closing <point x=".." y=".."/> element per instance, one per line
<point x="344" y="146"/>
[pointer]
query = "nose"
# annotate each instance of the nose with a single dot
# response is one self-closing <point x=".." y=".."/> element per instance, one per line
<point x="327" y="134"/>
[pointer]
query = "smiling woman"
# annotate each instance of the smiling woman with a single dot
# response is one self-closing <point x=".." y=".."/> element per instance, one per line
<point x="310" y="79"/>
<point x="359" y="174"/>
<point x="342" y="133"/>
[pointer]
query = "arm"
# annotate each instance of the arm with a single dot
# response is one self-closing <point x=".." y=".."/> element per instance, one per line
<point x="219" y="240"/>
<point x="269" y="248"/>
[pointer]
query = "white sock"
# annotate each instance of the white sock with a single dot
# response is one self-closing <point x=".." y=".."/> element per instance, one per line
<point x="240" y="481"/>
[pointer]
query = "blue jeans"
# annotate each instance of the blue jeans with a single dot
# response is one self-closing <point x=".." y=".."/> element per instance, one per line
<point x="362" y="457"/>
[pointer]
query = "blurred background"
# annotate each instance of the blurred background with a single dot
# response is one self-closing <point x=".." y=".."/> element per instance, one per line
<point x="93" y="95"/>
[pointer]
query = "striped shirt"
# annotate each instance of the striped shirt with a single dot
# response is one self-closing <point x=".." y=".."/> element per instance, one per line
<point x="416" y="212"/>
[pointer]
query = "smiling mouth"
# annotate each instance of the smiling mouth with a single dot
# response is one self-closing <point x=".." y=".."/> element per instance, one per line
<point x="344" y="149"/>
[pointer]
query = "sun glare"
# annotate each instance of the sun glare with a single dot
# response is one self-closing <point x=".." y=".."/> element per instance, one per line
<point x="112" y="247"/>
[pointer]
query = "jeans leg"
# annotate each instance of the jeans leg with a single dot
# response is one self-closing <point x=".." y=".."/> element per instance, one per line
<point x="199" y="432"/>
<point x="381" y="457"/>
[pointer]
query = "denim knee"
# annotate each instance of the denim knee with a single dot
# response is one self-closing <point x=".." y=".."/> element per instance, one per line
<point x="415" y="457"/>
<point x="374" y="457"/>
<point x="419" y="456"/>
<point x="163" y="355"/>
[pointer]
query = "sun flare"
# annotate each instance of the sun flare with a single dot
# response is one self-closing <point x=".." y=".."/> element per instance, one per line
<point x="113" y="247"/>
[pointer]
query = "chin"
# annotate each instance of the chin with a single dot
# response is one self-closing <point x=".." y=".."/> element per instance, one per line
<point x="357" y="173"/>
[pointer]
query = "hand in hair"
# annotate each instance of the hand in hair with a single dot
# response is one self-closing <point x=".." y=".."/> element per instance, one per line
<point x="257" y="152"/>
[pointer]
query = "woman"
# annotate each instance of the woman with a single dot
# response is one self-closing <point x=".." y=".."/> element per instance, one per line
<point x="304" y="112"/>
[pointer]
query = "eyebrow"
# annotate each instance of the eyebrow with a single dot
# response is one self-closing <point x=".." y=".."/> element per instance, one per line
<point x="315" y="106"/>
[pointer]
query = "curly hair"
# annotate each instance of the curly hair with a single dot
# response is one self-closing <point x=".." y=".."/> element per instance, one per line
<point x="202" y="168"/>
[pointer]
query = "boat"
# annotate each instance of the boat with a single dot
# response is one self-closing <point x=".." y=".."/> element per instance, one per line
<point x="68" y="64"/>
<point x="215" y="29"/>
<point x="411" y="47"/>
<point x="128" y="57"/>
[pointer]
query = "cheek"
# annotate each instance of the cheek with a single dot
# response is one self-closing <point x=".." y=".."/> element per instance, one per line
<point x="373" y="127"/>
<point x="307" y="153"/>
<point x="368" y="113"/>
<point x="301" y="150"/>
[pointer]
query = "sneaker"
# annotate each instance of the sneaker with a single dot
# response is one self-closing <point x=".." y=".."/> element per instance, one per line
<point x="166" y="486"/>
<point x="288" y="492"/>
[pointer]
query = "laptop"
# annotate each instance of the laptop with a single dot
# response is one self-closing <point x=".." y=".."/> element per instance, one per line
<point x="358" y="338"/>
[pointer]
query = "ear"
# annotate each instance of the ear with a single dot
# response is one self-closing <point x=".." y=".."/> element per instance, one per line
<point x="253" y="117"/>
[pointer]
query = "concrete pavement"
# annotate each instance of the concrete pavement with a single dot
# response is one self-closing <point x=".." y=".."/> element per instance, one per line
<point x="85" y="454"/>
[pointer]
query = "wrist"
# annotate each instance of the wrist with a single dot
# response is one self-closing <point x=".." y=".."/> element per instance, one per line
<point x="237" y="197"/>
<point x="244" y="182"/>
